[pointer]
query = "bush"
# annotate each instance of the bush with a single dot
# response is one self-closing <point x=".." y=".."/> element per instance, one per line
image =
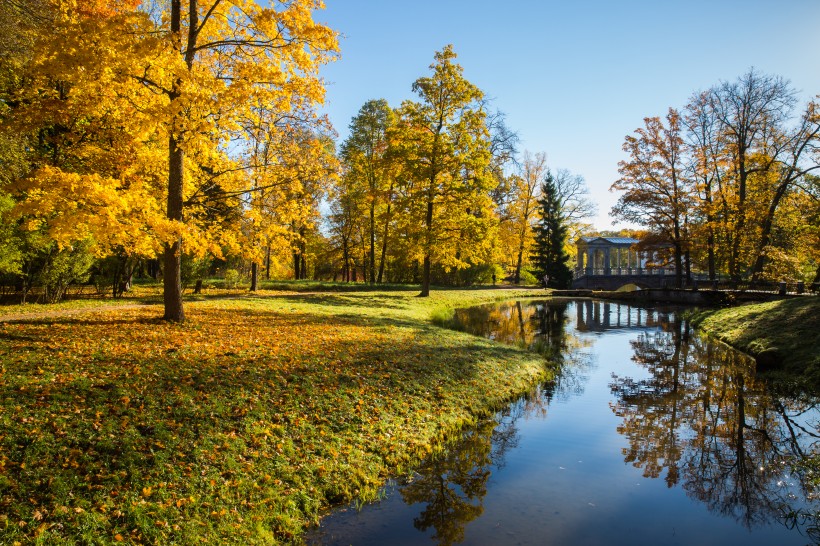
<point x="231" y="278"/>
<point x="527" y="278"/>
<point x="61" y="268"/>
<point x="194" y="269"/>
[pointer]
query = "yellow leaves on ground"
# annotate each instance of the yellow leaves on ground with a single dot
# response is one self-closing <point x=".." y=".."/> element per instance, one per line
<point x="262" y="410"/>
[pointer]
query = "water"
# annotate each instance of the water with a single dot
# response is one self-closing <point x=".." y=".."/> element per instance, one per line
<point x="651" y="434"/>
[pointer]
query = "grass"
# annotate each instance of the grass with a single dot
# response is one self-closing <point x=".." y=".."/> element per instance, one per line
<point x="782" y="335"/>
<point x="242" y="424"/>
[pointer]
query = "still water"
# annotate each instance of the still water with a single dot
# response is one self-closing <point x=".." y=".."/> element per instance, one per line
<point x="651" y="434"/>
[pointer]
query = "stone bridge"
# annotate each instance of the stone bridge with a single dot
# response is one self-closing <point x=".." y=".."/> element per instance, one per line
<point x="608" y="263"/>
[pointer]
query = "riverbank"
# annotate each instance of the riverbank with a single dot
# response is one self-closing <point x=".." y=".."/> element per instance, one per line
<point x="242" y="424"/>
<point x="781" y="335"/>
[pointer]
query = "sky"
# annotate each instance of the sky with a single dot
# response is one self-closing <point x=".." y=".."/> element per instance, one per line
<point x="573" y="77"/>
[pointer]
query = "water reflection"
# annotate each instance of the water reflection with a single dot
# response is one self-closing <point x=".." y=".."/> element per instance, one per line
<point x="453" y="484"/>
<point x="688" y="413"/>
<point x="541" y="327"/>
<point x="702" y="419"/>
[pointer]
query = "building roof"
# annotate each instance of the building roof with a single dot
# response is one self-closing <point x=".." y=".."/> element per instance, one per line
<point x="609" y="240"/>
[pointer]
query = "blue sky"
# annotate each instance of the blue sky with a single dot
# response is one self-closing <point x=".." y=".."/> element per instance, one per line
<point x="573" y="77"/>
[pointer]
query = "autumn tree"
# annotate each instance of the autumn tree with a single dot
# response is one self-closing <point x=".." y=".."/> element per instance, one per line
<point x="749" y="158"/>
<point x="706" y="167"/>
<point x="290" y="162"/>
<point x="653" y="179"/>
<point x="522" y="209"/>
<point x="137" y="110"/>
<point x="445" y="151"/>
<point x="364" y="153"/>
<point x="347" y="213"/>
<point x="549" y="254"/>
<point x="239" y="53"/>
<point x="75" y="135"/>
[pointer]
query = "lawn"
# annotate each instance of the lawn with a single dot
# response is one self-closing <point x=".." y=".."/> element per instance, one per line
<point x="239" y="426"/>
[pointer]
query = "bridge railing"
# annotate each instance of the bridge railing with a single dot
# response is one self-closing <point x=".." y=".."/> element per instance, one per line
<point x="622" y="271"/>
<point x="702" y="281"/>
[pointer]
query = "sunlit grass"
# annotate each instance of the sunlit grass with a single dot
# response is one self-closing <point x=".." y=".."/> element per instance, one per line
<point x="239" y="425"/>
<point x="781" y="335"/>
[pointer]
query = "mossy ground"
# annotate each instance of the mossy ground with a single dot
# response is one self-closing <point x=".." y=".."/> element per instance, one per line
<point x="240" y="425"/>
<point x="784" y="335"/>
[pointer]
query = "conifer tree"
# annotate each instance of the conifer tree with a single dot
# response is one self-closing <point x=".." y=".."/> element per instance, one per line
<point x="550" y="257"/>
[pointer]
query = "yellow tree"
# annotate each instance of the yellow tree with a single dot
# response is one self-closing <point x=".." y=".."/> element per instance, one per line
<point x="523" y="208"/>
<point x="232" y="55"/>
<point x="364" y="153"/>
<point x="289" y="163"/>
<point x="90" y="137"/>
<point x="171" y="87"/>
<point x="446" y="150"/>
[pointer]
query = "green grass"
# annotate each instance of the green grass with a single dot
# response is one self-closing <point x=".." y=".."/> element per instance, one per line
<point x="784" y="336"/>
<point x="239" y="426"/>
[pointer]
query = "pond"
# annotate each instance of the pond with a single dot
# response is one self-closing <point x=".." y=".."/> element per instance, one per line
<point x="651" y="434"/>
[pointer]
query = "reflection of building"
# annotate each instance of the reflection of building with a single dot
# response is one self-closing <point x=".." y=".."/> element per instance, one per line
<point x="607" y="263"/>
<point x="597" y="316"/>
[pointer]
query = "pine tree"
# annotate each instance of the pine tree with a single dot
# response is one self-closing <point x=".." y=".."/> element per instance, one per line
<point x="549" y="257"/>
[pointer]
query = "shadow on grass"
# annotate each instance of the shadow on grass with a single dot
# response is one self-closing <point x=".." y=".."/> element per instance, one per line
<point x="99" y="429"/>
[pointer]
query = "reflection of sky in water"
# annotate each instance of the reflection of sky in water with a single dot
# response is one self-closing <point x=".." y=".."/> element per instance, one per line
<point x="562" y="477"/>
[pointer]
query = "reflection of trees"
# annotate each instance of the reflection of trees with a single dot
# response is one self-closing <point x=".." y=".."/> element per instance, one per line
<point x="537" y="326"/>
<point x="453" y="484"/>
<point x="705" y="420"/>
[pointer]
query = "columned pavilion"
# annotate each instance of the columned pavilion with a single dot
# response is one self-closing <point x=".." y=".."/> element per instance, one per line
<point x="608" y="256"/>
<point x="607" y="263"/>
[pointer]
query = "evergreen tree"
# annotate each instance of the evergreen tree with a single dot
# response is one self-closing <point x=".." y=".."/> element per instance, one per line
<point x="549" y="256"/>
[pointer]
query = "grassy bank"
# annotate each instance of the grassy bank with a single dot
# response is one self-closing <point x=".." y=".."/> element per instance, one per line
<point x="781" y="335"/>
<point x="238" y="426"/>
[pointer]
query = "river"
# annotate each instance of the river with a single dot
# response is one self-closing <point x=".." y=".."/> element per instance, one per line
<point x="650" y="434"/>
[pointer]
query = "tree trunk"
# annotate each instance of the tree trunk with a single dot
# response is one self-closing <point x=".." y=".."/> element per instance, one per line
<point x="425" y="279"/>
<point x="384" y="235"/>
<point x="172" y="276"/>
<point x="766" y="230"/>
<point x="518" y="263"/>
<point x="740" y="215"/>
<point x="372" y="257"/>
<point x="345" y="261"/>
<point x="254" y="276"/>
<point x="710" y="238"/>
<point x="267" y="264"/>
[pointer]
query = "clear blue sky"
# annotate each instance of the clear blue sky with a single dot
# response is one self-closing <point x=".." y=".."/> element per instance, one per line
<point x="574" y="77"/>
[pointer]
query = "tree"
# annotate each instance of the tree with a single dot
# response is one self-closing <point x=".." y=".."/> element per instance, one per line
<point x="290" y="162"/>
<point x="748" y="159"/>
<point x="364" y="154"/>
<point x="445" y="150"/>
<point x="137" y="110"/>
<point x="657" y="193"/>
<point x="346" y="212"/>
<point x="706" y="170"/>
<point x="749" y="112"/>
<point x="523" y="206"/>
<point x="236" y="51"/>
<point x="576" y="205"/>
<point x="549" y="255"/>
